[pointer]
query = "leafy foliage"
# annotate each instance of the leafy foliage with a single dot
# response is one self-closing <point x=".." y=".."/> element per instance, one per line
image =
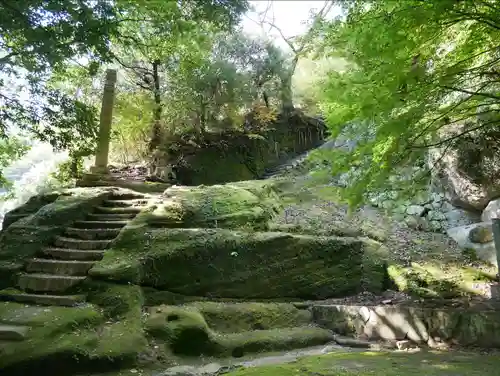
<point x="44" y="44"/>
<point x="210" y="83"/>
<point x="10" y="149"/>
<point x="419" y="75"/>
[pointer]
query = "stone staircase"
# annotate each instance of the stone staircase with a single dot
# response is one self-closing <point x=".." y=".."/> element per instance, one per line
<point x="64" y="264"/>
<point x="285" y="167"/>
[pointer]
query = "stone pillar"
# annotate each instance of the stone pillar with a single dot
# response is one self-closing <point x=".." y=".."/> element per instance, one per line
<point x="108" y="98"/>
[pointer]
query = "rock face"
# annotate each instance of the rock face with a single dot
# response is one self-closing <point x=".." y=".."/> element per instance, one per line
<point x="469" y="171"/>
<point x="233" y="329"/>
<point x="477" y="237"/>
<point x="491" y="211"/>
<point x="236" y="264"/>
<point x="202" y="241"/>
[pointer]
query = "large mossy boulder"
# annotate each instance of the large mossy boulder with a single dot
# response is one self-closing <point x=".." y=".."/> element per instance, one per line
<point x="237" y="264"/>
<point x="249" y="204"/>
<point x="227" y="329"/>
<point x="29" y="207"/>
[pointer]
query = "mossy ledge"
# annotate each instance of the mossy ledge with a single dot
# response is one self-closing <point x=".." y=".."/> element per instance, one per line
<point x="103" y="335"/>
<point x="226" y="330"/>
<point x="235" y="264"/>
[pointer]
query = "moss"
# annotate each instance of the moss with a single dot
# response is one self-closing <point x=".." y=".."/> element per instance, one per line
<point x="250" y="204"/>
<point x="232" y="166"/>
<point x="115" y="299"/>
<point x="86" y="338"/>
<point x="27" y="236"/>
<point x="245" y="155"/>
<point x="8" y="273"/>
<point x="240" y="344"/>
<point x="437" y="280"/>
<point x="204" y="330"/>
<point x="223" y="263"/>
<point x="20" y="241"/>
<point x="184" y="330"/>
<point x="375" y="264"/>
<point x="242" y="317"/>
<point x="31" y="206"/>
<point x="383" y="364"/>
<point x="154" y="297"/>
<point x="55" y="333"/>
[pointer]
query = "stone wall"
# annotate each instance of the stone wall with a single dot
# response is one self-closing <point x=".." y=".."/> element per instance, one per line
<point x="427" y="210"/>
<point x="466" y="327"/>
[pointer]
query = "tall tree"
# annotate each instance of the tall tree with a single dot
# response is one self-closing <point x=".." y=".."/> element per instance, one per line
<point x="415" y="69"/>
<point x="148" y="47"/>
<point x="36" y="39"/>
<point x="299" y="46"/>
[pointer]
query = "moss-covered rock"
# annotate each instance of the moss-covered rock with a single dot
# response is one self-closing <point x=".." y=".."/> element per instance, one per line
<point x="438" y="279"/>
<point x="250" y="204"/>
<point x="248" y="316"/>
<point x="31" y="206"/>
<point x="230" y="329"/>
<point x="25" y="237"/>
<point x="9" y="272"/>
<point x="236" y="264"/>
<point x="71" y="340"/>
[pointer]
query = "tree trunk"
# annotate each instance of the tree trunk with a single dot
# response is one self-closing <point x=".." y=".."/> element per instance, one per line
<point x="286" y="87"/>
<point x="155" y="139"/>
<point x="266" y="98"/>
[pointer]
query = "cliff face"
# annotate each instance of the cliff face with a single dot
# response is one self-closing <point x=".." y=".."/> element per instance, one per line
<point x="247" y="154"/>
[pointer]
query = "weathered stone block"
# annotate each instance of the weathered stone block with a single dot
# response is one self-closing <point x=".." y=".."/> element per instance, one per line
<point x="453" y="326"/>
<point x="387" y="323"/>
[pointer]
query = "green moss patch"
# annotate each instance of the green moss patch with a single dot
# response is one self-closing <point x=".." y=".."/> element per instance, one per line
<point x="234" y="264"/>
<point x="438" y="279"/>
<point x="202" y="329"/>
<point x="383" y="364"/>
<point x="242" y="317"/>
<point x="68" y="340"/>
<point x="250" y="204"/>
<point x="154" y="297"/>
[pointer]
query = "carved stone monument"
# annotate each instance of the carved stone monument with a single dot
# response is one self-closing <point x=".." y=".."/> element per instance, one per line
<point x="108" y="99"/>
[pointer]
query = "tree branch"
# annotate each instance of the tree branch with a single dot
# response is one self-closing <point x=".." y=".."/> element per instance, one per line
<point x="486" y="95"/>
<point x="455" y="136"/>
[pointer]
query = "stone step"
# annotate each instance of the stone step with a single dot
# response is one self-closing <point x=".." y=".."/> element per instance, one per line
<point x="100" y="224"/>
<point x="92" y="234"/>
<point x="72" y="254"/>
<point x="70" y="243"/>
<point x="49" y="300"/>
<point x="100" y="217"/>
<point x="48" y="282"/>
<point x="13" y="332"/>
<point x="124" y="203"/>
<point x="105" y="210"/>
<point x="126" y="196"/>
<point x="59" y="267"/>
